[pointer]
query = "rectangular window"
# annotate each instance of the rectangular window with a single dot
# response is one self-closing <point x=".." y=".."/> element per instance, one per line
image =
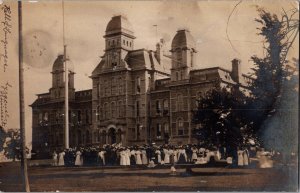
<point x="180" y="127"/>
<point x="138" y="131"/>
<point x="87" y="116"/>
<point x="79" y="116"/>
<point x="138" y="85"/>
<point x="98" y="89"/>
<point x="158" y="107"/>
<point x="137" y="108"/>
<point x="158" y="131"/>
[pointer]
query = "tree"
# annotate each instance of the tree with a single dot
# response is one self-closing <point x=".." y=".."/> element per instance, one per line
<point x="280" y="132"/>
<point x="13" y="143"/>
<point x="269" y="71"/>
<point x="221" y="113"/>
<point x="2" y="138"/>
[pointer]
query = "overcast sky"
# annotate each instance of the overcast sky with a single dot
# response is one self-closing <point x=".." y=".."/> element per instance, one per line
<point x="85" y="24"/>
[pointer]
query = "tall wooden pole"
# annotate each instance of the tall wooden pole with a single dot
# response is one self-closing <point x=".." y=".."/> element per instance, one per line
<point x="21" y="103"/>
<point x="66" y="81"/>
<point x="66" y="99"/>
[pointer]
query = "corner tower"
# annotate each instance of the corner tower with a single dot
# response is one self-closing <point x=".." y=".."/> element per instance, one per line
<point x="57" y="91"/>
<point x="183" y="51"/>
<point x="119" y="39"/>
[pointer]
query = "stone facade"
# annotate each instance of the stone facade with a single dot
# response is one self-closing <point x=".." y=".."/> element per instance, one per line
<point x="138" y="96"/>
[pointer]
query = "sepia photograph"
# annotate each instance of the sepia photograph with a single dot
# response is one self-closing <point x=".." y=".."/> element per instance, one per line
<point x="149" y="96"/>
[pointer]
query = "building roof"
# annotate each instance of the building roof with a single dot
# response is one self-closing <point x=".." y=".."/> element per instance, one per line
<point x="45" y="98"/>
<point x="119" y="24"/>
<point x="183" y="38"/>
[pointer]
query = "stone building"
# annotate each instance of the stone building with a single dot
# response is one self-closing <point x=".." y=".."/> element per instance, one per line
<point x="138" y="95"/>
<point x="48" y="113"/>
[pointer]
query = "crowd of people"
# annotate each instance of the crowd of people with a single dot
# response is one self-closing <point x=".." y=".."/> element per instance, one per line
<point x="150" y="155"/>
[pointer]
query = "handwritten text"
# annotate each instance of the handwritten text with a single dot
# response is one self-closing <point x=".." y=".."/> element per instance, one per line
<point x="6" y="28"/>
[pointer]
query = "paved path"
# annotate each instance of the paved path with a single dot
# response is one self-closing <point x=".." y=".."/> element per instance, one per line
<point x="146" y="179"/>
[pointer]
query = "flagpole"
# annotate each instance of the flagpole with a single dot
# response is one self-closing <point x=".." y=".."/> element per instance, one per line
<point x="66" y="83"/>
<point x="21" y="103"/>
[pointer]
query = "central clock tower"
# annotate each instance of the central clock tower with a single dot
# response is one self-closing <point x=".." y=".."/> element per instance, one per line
<point x="119" y="39"/>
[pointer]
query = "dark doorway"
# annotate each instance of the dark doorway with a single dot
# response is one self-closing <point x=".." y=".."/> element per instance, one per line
<point x="112" y="135"/>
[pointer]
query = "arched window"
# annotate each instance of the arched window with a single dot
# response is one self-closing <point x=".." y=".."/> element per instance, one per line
<point x="130" y="44"/>
<point x="180" y="128"/>
<point x="177" y="75"/>
<point x="179" y="102"/>
<point x="119" y="136"/>
<point x="124" y="42"/>
<point x="113" y="109"/>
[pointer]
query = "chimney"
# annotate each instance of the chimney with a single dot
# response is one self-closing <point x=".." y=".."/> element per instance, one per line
<point x="236" y="70"/>
<point x="159" y="49"/>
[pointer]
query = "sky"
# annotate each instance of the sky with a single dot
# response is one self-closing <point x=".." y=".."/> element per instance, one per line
<point x="85" y="24"/>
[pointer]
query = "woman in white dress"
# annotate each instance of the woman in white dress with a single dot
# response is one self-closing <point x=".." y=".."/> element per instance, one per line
<point x="101" y="155"/>
<point x="54" y="158"/>
<point x="175" y="152"/>
<point x="158" y="154"/>
<point x="240" y="158"/>
<point x="246" y="157"/>
<point x="194" y="155"/>
<point x="122" y="158"/>
<point x="138" y="157"/>
<point x="78" y="158"/>
<point x="167" y="156"/>
<point x="61" y="156"/>
<point x="144" y="157"/>
<point x="127" y="157"/>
